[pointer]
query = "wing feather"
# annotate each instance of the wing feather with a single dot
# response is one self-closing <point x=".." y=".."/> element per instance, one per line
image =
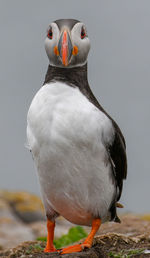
<point x="117" y="152"/>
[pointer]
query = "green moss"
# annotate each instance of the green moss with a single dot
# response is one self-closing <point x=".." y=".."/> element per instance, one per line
<point x="34" y="248"/>
<point x="38" y="247"/>
<point x="126" y="253"/>
<point x="43" y="239"/>
<point x="74" y="235"/>
<point x="29" y="250"/>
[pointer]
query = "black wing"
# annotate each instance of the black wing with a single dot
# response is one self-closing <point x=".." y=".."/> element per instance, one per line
<point x="117" y="152"/>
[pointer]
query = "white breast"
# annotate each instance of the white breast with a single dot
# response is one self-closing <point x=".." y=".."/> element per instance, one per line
<point x="66" y="134"/>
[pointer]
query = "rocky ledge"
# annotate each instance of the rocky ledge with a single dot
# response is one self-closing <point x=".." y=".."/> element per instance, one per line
<point x="22" y="219"/>
<point x="108" y="245"/>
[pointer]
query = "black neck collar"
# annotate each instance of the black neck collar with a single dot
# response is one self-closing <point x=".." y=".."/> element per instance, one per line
<point x="76" y="76"/>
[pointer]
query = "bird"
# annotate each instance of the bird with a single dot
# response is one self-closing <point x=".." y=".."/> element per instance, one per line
<point x="79" y="151"/>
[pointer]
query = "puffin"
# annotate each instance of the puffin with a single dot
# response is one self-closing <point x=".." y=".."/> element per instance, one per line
<point x="78" y="149"/>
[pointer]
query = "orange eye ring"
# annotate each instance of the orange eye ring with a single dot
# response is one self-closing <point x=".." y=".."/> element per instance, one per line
<point x="50" y="34"/>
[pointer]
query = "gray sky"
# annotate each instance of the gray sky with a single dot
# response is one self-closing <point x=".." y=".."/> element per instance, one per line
<point x="119" y="76"/>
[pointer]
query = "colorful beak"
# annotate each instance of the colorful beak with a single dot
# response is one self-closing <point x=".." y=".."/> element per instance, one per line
<point x="65" y="48"/>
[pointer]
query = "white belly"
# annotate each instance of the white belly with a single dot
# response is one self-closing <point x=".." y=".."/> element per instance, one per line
<point x="66" y="134"/>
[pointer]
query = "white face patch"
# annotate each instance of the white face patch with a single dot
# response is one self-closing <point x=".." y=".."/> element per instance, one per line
<point x="51" y="43"/>
<point x="83" y="44"/>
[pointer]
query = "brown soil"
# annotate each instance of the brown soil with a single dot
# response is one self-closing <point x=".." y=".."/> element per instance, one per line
<point x="103" y="246"/>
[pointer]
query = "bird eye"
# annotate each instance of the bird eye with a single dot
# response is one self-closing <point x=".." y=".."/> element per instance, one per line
<point x="83" y="33"/>
<point x="50" y="34"/>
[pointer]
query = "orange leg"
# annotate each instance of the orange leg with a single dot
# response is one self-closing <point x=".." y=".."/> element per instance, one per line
<point x="50" y="229"/>
<point x="88" y="241"/>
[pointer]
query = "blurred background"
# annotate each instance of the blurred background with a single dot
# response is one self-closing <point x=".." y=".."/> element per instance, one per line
<point x="118" y="64"/>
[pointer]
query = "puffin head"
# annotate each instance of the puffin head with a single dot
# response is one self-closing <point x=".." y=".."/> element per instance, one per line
<point x="67" y="43"/>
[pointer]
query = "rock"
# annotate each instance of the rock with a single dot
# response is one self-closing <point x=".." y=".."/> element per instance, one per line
<point x="25" y="206"/>
<point x="5" y="211"/>
<point x="131" y="225"/>
<point x="107" y="245"/>
<point x="12" y="233"/>
<point x="12" y="230"/>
